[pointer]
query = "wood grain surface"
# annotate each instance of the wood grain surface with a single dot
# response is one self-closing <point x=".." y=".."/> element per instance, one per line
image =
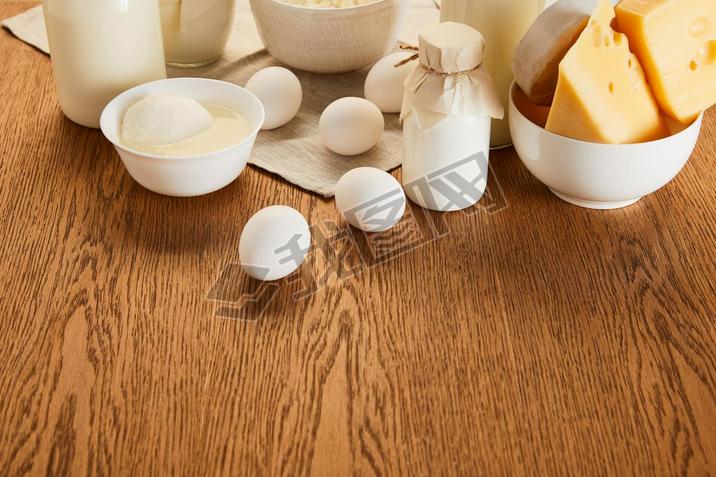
<point x="526" y="337"/>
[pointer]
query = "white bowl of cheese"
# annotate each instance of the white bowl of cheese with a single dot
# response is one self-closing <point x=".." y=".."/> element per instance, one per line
<point x="329" y="39"/>
<point x="592" y="175"/>
<point x="196" y="173"/>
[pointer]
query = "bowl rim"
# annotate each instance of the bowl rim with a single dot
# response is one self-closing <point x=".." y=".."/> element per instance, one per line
<point x="104" y="119"/>
<point x="303" y="8"/>
<point x="670" y="137"/>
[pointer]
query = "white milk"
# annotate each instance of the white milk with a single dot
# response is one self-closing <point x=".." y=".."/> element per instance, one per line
<point x="195" y="31"/>
<point x="101" y="48"/>
<point x="441" y="157"/>
<point x="503" y="23"/>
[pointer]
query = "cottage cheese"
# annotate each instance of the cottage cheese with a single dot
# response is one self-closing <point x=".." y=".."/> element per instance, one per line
<point x="329" y="3"/>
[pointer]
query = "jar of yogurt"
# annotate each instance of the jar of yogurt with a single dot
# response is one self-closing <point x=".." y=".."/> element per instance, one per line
<point x="447" y="109"/>
<point x="195" y="31"/>
<point x="101" y="48"/>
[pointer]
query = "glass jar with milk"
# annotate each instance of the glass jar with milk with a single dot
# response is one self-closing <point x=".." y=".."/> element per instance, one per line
<point x="101" y="48"/>
<point x="195" y="31"/>
<point x="502" y="23"/>
<point x="448" y="105"/>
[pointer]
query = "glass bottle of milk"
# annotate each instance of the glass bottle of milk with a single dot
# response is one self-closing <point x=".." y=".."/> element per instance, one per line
<point x="502" y="23"/>
<point x="101" y="48"/>
<point x="195" y="31"/>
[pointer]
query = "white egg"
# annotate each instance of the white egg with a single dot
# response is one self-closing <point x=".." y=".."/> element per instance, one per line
<point x="351" y="126"/>
<point x="164" y="119"/>
<point x="274" y="243"/>
<point x="384" y="85"/>
<point x="279" y="90"/>
<point x="370" y="199"/>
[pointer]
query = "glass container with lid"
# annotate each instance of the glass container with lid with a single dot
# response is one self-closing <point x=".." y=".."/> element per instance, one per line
<point x="447" y="109"/>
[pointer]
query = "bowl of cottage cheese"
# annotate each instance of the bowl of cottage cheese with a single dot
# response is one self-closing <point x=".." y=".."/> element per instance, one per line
<point x="329" y="36"/>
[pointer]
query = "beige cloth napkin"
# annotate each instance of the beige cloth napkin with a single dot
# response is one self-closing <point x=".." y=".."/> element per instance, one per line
<point x="295" y="151"/>
<point x="29" y="26"/>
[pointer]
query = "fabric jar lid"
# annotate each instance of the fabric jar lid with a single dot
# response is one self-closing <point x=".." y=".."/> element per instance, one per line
<point x="451" y="48"/>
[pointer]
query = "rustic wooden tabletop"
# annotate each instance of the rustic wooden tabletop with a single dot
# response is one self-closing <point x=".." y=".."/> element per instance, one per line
<point x="526" y="336"/>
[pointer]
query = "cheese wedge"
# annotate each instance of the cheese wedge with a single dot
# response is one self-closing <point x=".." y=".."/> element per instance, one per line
<point x="675" y="42"/>
<point x="535" y="62"/>
<point x="602" y="95"/>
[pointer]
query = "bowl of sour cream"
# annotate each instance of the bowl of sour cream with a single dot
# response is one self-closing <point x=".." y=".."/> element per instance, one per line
<point x="184" y="137"/>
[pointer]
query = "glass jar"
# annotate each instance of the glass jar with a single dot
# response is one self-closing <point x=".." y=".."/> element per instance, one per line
<point x="445" y="165"/>
<point x="101" y="48"/>
<point x="195" y="31"/>
<point x="503" y="23"/>
<point x="447" y="110"/>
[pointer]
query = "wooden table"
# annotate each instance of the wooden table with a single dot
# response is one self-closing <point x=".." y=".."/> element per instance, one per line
<point x="524" y="337"/>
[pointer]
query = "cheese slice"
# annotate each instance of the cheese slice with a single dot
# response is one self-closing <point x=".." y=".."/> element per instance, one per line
<point x="535" y="62"/>
<point x="602" y="95"/>
<point x="675" y="42"/>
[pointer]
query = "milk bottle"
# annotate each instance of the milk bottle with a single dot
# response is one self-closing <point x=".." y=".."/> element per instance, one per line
<point x="101" y="48"/>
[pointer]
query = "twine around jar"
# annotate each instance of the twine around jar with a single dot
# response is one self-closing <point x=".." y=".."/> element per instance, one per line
<point x="427" y="69"/>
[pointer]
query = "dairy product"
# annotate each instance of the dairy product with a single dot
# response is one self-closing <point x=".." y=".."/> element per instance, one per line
<point x="676" y="44"/>
<point x="160" y="119"/>
<point x="447" y="110"/>
<point x="195" y="31"/>
<point x="534" y="112"/>
<point x="535" y="62"/>
<point x="602" y="95"/>
<point x="329" y="3"/>
<point x="183" y="136"/>
<point x="100" y="49"/>
<point x="503" y="23"/>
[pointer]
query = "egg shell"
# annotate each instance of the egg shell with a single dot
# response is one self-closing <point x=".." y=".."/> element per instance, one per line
<point x="384" y="85"/>
<point x="274" y="243"/>
<point x="164" y="119"/>
<point x="351" y="126"/>
<point x="370" y="199"/>
<point x="280" y="92"/>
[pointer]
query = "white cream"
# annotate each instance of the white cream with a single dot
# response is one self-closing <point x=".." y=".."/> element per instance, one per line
<point x="100" y="49"/>
<point x="227" y="128"/>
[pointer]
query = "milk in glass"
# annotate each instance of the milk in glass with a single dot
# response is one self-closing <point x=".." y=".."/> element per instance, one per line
<point x="101" y="48"/>
<point x="503" y="23"/>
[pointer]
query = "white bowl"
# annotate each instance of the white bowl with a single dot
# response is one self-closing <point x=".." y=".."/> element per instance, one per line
<point x="329" y="40"/>
<point x="191" y="175"/>
<point x="600" y="176"/>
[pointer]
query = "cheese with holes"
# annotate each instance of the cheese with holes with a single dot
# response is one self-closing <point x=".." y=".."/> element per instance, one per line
<point x="675" y="42"/>
<point x="602" y="95"/>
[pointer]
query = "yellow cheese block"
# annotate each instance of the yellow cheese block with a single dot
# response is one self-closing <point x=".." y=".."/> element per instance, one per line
<point x="675" y="42"/>
<point x="602" y="95"/>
